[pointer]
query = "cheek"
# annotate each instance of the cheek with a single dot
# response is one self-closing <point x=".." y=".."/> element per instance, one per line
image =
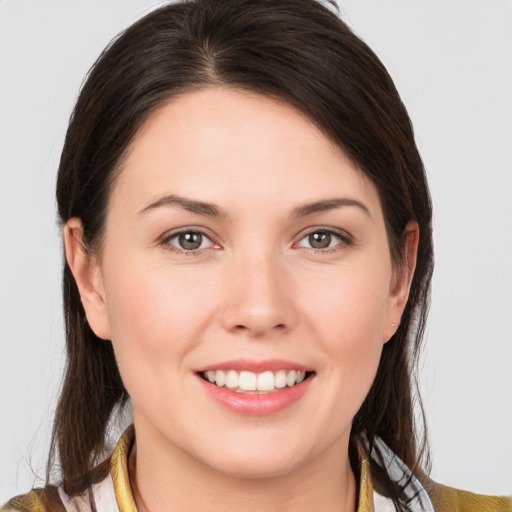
<point x="349" y="318"/>
<point x="156" y="314"/>
<point x="350" y="303"/>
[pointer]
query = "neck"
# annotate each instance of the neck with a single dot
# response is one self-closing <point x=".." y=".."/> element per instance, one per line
<point x="169" y="479"/>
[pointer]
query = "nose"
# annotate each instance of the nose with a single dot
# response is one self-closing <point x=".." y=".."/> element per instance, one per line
<point x="259" y="298"/>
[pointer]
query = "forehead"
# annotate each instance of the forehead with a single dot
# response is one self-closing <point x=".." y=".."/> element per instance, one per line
<point x="217" y="142"/>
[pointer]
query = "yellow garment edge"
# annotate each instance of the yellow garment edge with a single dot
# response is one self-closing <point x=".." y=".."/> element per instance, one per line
<point x="444" y="499"/>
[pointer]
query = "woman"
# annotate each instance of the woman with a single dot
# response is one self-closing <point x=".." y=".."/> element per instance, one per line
<point x="248" y="258"/>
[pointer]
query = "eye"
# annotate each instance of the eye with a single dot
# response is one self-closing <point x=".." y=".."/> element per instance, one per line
<point x="322" y="239"/>
<point x="188" y="241"/>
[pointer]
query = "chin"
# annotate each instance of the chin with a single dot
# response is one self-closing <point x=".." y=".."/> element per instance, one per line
<point x="258" y="459"/>
<point x="255" y="467"/>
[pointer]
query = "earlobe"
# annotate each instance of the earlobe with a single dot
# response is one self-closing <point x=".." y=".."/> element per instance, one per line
<point x="402" y="281"/>
<point x="87" y="274"/>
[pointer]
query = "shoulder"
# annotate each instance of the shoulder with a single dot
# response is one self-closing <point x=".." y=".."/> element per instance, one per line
<point x="46" y="499"/>
<point x="422" y="494"/>
<point x="448" y="499"/>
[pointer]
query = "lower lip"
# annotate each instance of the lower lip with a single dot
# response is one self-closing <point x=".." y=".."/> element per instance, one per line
<point x="256" y="404"/>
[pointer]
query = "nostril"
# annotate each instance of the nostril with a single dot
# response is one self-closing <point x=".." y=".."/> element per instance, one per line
<point x="252" y="318"/>
<point x="242" y="327"/>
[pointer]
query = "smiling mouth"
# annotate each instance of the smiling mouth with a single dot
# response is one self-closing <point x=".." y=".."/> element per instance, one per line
<point x="255" y="383"/>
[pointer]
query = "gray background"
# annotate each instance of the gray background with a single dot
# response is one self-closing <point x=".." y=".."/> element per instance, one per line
<point x="452" y="63"/>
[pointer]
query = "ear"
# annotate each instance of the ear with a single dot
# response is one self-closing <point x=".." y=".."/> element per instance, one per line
<point x="402" y="279"/>
<point x="87" y="273"/>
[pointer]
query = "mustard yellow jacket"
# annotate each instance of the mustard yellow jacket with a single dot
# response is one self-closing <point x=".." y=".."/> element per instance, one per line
<point x="113" y="494"/>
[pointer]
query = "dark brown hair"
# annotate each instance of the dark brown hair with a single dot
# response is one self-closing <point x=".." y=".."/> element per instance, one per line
<point x="295" y="50"/>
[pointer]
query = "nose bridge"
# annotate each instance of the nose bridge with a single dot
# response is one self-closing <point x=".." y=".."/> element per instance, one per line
<point x="259" y="298"/>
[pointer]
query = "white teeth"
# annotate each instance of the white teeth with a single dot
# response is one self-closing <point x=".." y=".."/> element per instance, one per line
<point x="220" y="378"/>
<point x="280" y="381"/>
<point x="265" y="381"/>
<point x="290" y="378"/>
<point x="232" y="379"/>
<point x="248" y="381"/>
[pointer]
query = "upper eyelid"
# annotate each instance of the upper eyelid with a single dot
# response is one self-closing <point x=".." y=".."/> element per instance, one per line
<point x="168" y="235"/>
<point x="343" y="234"/>
<point x="187" y="229"/>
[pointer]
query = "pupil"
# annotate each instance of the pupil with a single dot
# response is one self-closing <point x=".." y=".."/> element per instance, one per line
<point x="320" y="240"/>
<point x="190" y="241"/>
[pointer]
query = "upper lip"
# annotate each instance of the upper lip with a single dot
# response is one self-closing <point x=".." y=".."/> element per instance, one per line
<point x="256" y="366"/>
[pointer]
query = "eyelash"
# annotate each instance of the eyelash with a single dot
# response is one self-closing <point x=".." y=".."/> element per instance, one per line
<point x="344" y="238"/>
<point x="166" y="242"/>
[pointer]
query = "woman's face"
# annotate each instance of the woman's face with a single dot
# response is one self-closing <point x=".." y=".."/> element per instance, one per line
<point x="241" y="242"/>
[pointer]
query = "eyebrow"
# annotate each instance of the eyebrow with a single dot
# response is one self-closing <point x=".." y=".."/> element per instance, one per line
<point x="329" y="204"/>
<point x="212" y="210"/>
<point x="191" y="205"/>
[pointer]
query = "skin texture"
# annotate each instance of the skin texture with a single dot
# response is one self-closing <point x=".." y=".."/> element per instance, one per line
<point x="256" y="289"/>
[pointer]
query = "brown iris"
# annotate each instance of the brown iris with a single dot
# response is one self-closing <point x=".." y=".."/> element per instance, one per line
<point x="320" y="240"/>
<point x="190" y="240"/>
